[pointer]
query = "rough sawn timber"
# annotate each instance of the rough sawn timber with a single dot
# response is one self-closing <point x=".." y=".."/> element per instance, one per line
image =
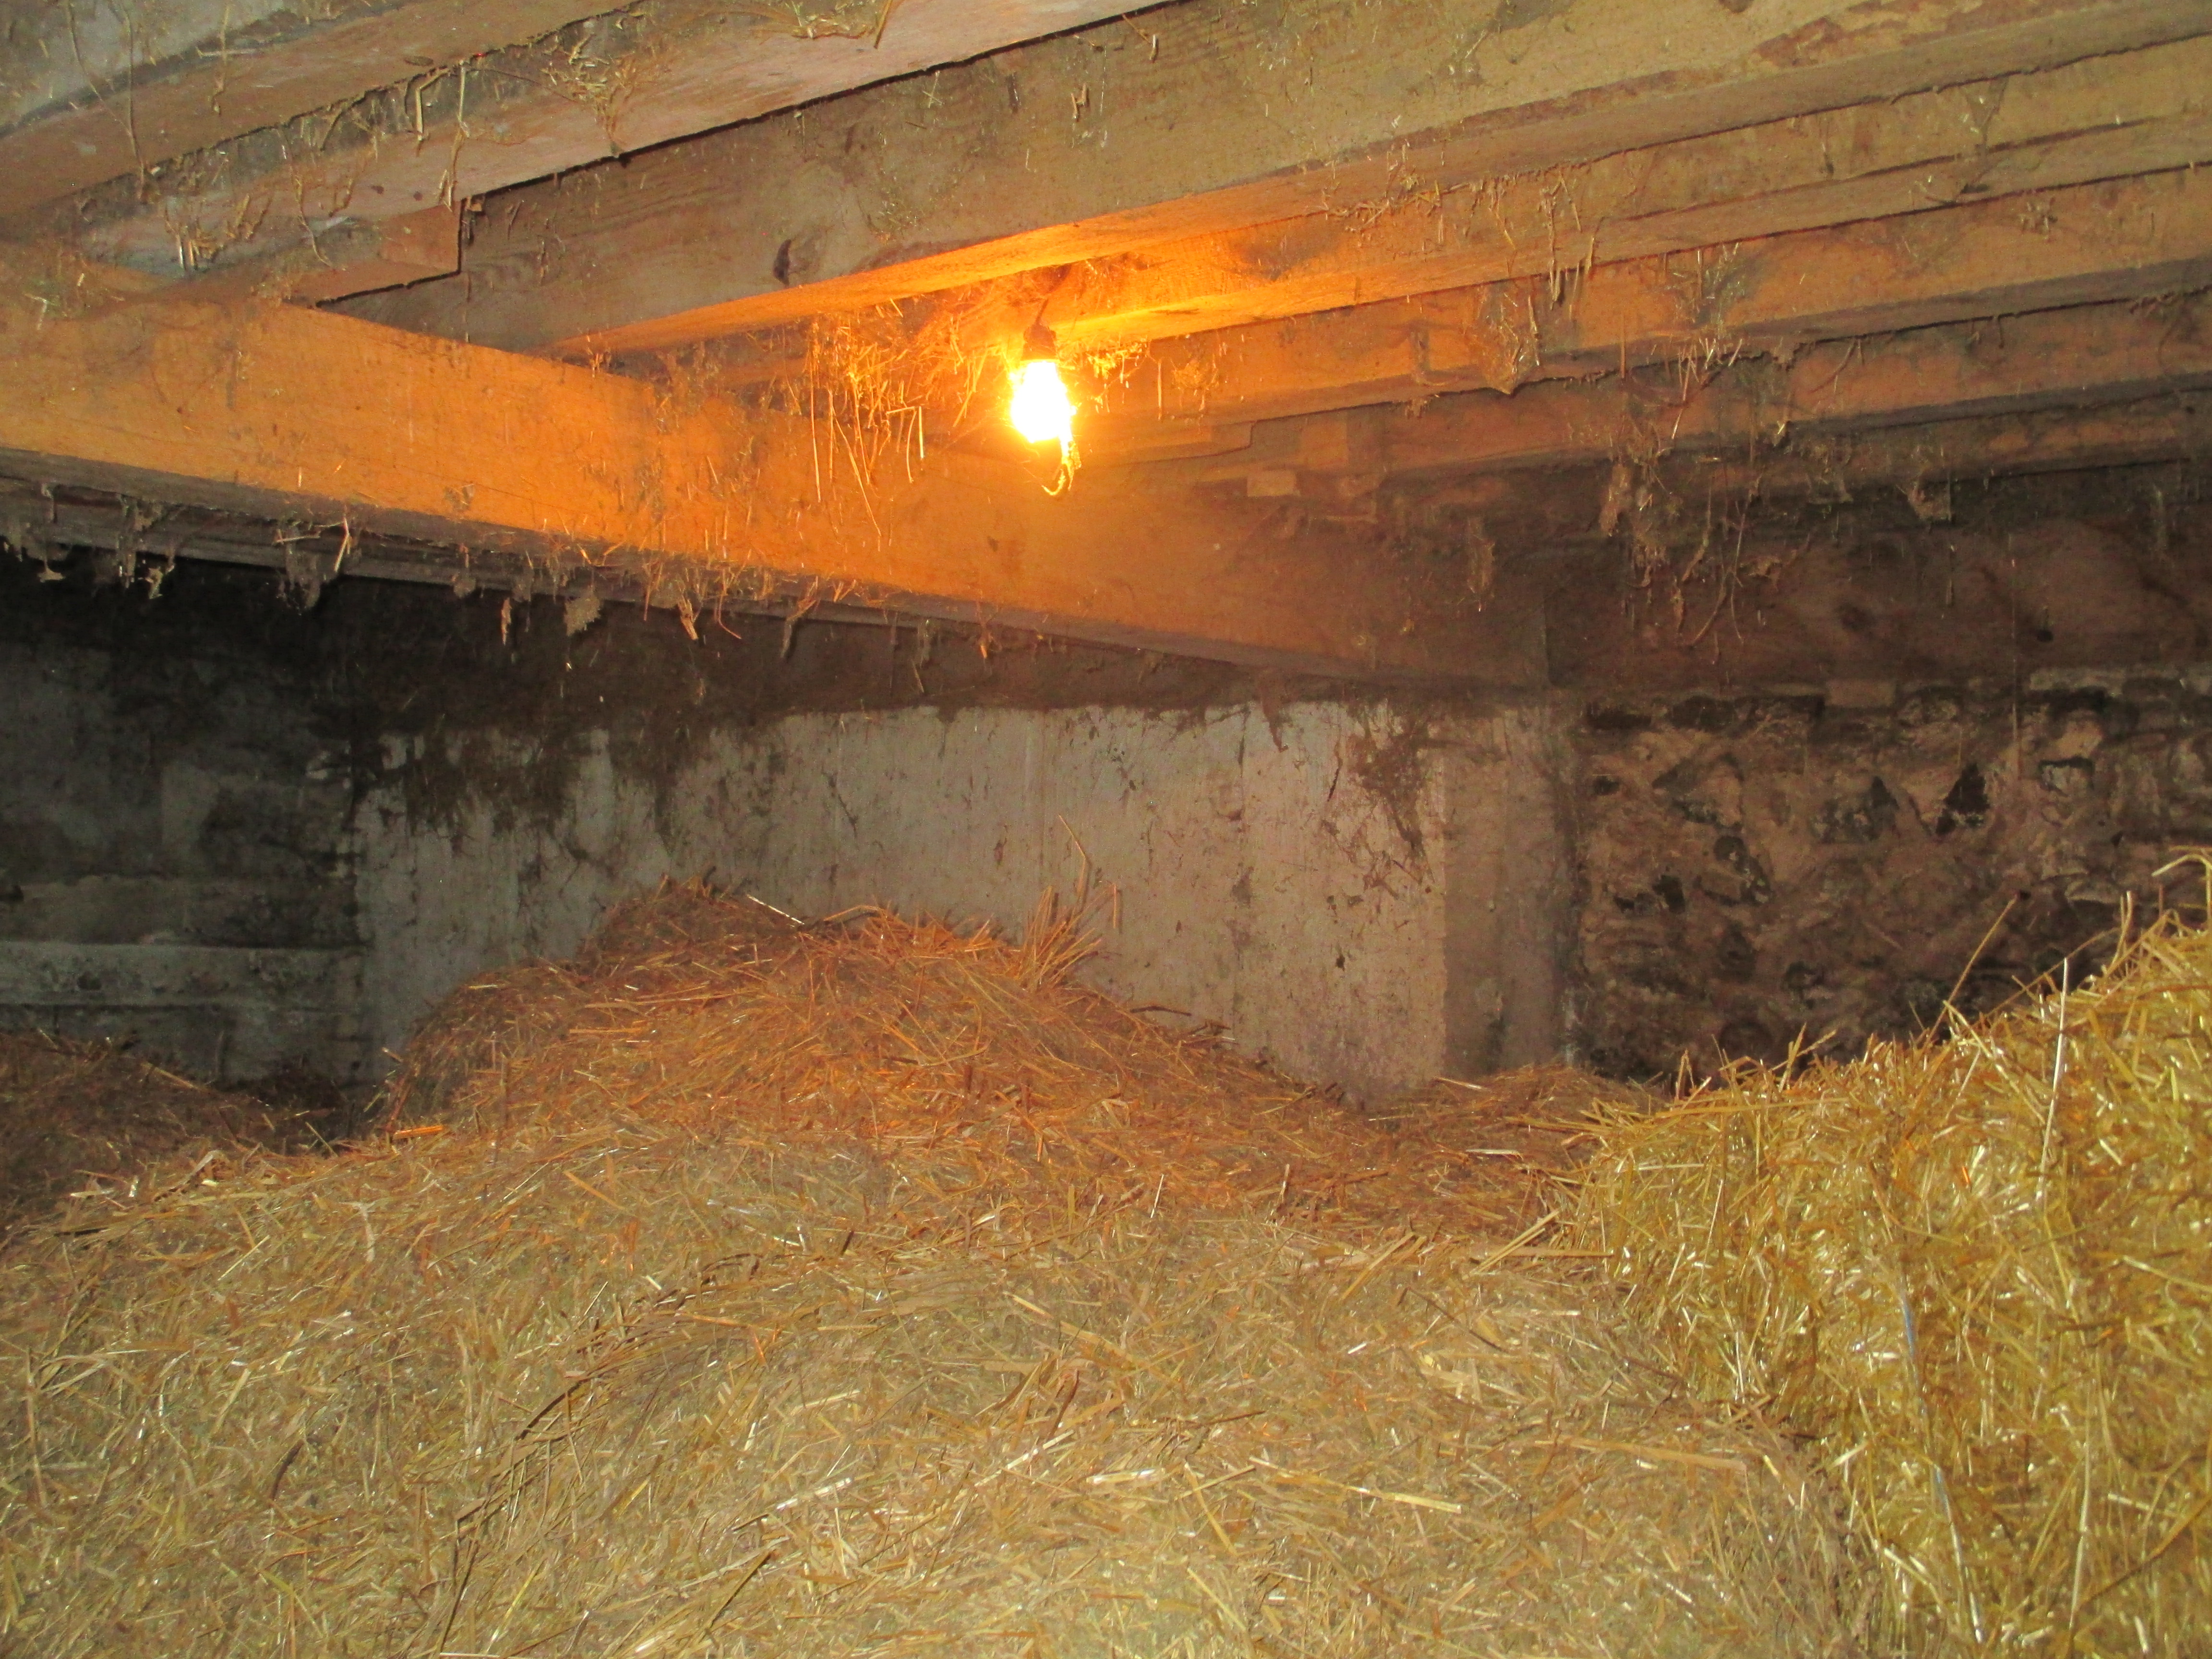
<point x="2135" y="237"/>
<point x="1935" y="403"/>
<point x="2075" y="358"/>
<point x="2107" y="117"/>
<point x="294" y="415"/>
<point x="634" y="79"/>
<point x="1104" y="143"/>
<point x="213" y="70"/>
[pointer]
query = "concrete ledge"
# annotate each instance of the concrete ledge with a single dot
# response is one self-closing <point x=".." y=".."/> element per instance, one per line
<point x="228" y="912"/>
<point x="220" y="1013"/>
<point x="43" y="974"/>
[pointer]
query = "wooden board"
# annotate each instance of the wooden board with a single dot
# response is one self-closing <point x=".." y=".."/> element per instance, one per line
<point x="2075" y="358"/>
<point x="2131" y="238"/>
<point x="355" y="258"/>
<point x="290" y="413"/>
<point x="216" y="70"/>
<point x="1925" y="458"/>
<point x="635" y="79"/>
<point x="2129" y="112"/>
<point x="1087" y="148"/>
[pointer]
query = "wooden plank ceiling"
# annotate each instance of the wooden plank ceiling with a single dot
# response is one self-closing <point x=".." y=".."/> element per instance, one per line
<point x="1375" y="306"/>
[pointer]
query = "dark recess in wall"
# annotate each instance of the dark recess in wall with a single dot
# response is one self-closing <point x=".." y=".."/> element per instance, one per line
<point x="2003" y="578"/>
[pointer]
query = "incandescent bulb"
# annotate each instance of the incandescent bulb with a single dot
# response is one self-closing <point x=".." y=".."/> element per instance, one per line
<point x="1040" y="409"/>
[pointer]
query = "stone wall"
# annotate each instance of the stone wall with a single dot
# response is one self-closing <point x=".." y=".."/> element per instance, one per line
<point x="1835" y="861"/>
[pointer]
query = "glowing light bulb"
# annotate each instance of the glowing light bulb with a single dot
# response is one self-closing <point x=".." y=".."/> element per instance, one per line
<point x="1040" y="409"/>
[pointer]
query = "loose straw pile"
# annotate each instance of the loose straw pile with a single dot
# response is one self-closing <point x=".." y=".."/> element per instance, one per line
<point x="1980" y="1273"/>
<point x="89" y="1117"/>
<point x="866" y="1288"/>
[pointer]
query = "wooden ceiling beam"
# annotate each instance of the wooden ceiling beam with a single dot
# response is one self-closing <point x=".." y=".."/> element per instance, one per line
<point x="2167" y="427"/>
<point x="285" y="413"/>
<point x="1206" y="118"/>
<point x="2129" y="112"/>
<point x="624" y="81"/>
<point x="2126" y="239"/>
<point x="128" y="535"/>
<point x="2093" y="387"/>
<point x="95" y="93"/>
<point x="2074" y="358"/>
<point x="355" y="258"/>
<point x="1921" y="460"/>
<point x="2110" y="117"/>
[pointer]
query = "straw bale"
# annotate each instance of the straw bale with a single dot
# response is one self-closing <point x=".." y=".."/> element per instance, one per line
<point x="865" y="1289"/>
<point x="1978" y="1270"/>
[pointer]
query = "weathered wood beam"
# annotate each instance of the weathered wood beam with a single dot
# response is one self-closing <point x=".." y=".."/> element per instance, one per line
<point x="2139" y="237"/>
<point x="2170" y="427"/>
<point x="2109" y="117"/>
<point x="2126" y="239"/>
<point x="633" y="78"/>
<point x="1563" y="511"/>
<point x="2075" y="357"/>
<point x="2129" y="112"/>
<point x="129" y="536"/>
<point x="1921" y="462"/>
<point x="282" y="412"/>
<point x="2086" y="386"/>
<point x="358" y="257"/>
<point x="1206" y="118"/>
<point x="94" y="92"/>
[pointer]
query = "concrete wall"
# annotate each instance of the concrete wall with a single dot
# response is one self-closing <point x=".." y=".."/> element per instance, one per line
<point x="1510" y="892"/>
<point x="1366" y="897"/>
<point x="174" y="863"/>
<point x="251" y="836"/>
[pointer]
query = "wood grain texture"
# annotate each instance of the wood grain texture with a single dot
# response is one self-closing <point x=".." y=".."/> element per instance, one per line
<point x="1097" y="145"/>
<point x="290" y="413"/>
<point x="2075" y="358"/>
<point x="2125" y="239"/>
<point x="631" y="80"/>
<point x="2085" y="387"/>
<point x="222" y="70"/>
<point x="2124" y="113"/>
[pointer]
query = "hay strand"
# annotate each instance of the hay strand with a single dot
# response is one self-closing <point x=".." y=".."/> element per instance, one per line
<point x="1979" y="1271"/>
